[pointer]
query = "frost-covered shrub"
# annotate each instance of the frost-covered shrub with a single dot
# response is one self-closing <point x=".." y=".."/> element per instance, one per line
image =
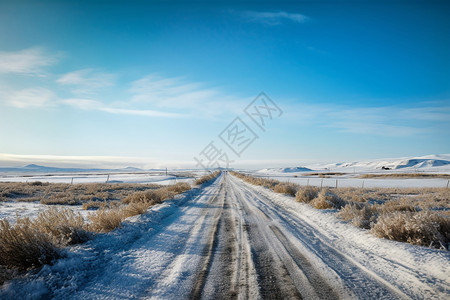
<point x="105" y="220"/>
<point x="63" y="225"/>
<point x="286" y="188"/>
<point x="326" y="200"/>
<point x="424" y="228"/>
<point x="23" y="246"/>
<point x="152" y="196"/>
<point x="396" y="205"/>
<point x="359" y="215"/>
<point x="136" y="208"/>
<point x="179" y="187"/>
<point x="306" y="194"/>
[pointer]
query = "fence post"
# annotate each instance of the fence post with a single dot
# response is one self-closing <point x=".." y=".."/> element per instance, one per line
<point x="321" y="183"/>
<point x="71" y="182"/>
<point x="307" y="182"/>
<point x="107" y="179"/>
<point x="336" y="183"/>
<point x="363" y="184"/>
<point x="448" y="180"/>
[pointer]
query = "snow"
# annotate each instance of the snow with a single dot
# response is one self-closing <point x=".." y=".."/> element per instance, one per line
<point x="428" y="163"/>
<point x="122" y="264"/>
<point x="10" y="211"/>
<point x="439" y="163"/>
<point x="353" y="170"/>
<point x="284" y="170"/>
<point x="99" y="178"/>
<point x="416" y="270"/>
<point x="353" y="181"/>
<point x="159" y="255"/>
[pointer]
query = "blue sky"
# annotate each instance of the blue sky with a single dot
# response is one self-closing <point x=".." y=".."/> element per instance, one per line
<point x="152" y="83"/>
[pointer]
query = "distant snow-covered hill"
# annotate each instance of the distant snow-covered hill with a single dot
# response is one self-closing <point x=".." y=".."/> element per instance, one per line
<point x="284" y="170"/>
<point x="428" y="163"/>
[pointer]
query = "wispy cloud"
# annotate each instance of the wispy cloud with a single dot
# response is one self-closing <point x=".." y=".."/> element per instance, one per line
<point x="31" y="98"/>
<point x="86" y="89"/>
<point x="180" y="94"/>
<point x="428" y="113"/>
<point x="88" y="104"/>
<point x="26" y="62"/>
<point x="86" y="81"/>
<point x="274" y="18"/>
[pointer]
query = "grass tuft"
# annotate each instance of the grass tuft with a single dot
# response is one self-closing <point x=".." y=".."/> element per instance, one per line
<point x="286" y="188"/>
<point x="105" y="220"/>
<point x="306" y="194"/>
<point x="424" y="228"/>
<point x="23" y="246"/>
<point x="327" y="200"/>
<point x="63" y="225"/>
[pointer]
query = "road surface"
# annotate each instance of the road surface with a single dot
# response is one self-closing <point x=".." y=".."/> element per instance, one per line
<point x="232" y="240"/>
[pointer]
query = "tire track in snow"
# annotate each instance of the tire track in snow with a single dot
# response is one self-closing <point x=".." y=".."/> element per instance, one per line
<point x="227" y="271"/>
<point x="274" y="280"/>
<point x="359" y="281"/>
<point x="210" y="248"/>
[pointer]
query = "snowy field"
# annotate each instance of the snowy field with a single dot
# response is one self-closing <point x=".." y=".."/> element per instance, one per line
<point x="10" y="211"/>
<point x="351" y="172"/>
<point x="233" y="238"/>
<point x="353" y="181"/>
<point x="98" y="178"/>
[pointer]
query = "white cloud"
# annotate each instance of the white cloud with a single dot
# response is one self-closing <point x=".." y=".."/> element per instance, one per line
<point x="177" y="93"/>
<point x="31" y="98"/>
<point x="85" y="104"/>
<point x="86" y="81"/>
<point x="89" y="104"/>
<point x="26" y="62"/>
<point x="274" y="18"/>
<point x="428" y="113"/>
<point x="143" y="112"/>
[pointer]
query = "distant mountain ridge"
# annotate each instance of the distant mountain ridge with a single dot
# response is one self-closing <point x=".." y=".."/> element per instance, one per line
<point x="33" y="168"/>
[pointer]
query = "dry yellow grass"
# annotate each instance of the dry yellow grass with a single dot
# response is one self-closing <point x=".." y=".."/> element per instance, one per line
<point x="327" y="200"/>
<point x="424" y="228"/>
<point x="68" y="194"/>
<point x="105" y="220"/>
<point x="179" y="187"/>
<point x="207" y="178"/>
<point x="94" y="205"/>
<point x="23" y="246"/>
<point x="136" y="208"/>
<point x="286" y="188"/>
<point x="393" y="213"/>
<point x="32" y="243"/>
<point x="360" y="215"/>
<point x="306" y="194"/>
<point x="63" y="225"/>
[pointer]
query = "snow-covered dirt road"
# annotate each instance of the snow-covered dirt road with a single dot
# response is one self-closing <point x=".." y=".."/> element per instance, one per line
<point x="234" y="240"/>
